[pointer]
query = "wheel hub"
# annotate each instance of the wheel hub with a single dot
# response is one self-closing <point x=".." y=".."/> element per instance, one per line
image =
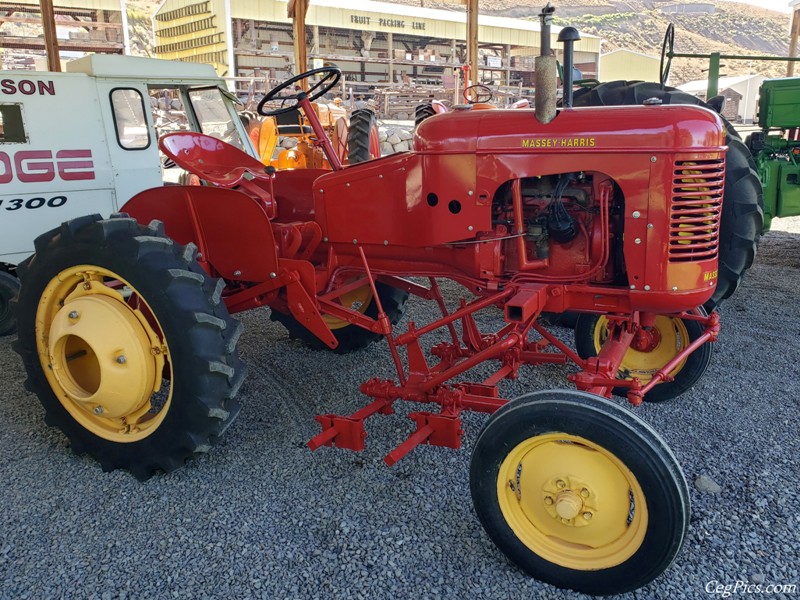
<point x="99" y="352"/>
<point x="569" y="501"/>
<point x="646" y="339"/>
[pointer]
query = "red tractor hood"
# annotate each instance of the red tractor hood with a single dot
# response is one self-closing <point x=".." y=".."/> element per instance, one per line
<point x="575" y="129"/>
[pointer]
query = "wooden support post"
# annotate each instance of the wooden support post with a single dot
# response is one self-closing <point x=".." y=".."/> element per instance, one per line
<point x="472" y="40"/>
<point x="390" y="46"/>
<point x="50" y="39"/>
<point x="793" y="40"/>
<point x="297" y="12"/>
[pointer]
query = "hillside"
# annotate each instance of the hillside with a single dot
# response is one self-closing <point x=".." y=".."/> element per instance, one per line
<point x="637" y="25"/>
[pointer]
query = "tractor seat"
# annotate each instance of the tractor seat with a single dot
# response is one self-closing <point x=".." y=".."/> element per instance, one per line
<point x="294" y="129"/>
<point x="211" y="159"/>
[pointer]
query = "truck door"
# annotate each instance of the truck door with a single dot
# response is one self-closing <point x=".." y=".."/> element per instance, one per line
<point x="132" y="143"/>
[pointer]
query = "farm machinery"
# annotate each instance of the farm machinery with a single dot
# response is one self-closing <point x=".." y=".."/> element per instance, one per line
<point x="126" y="334"/>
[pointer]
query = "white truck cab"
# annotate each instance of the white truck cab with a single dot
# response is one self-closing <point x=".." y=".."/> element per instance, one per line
<point x="86" y="141"/>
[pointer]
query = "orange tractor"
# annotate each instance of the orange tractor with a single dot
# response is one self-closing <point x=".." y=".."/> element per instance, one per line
<point x="614" y="213"/>
<point x="354" y="139"/>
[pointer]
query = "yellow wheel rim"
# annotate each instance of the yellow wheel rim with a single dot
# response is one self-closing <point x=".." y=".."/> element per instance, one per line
<point x="572" y="502"/>
<point x="673" y="338"/>
<point x="102" y="353"/>
<point x="358" y="299"/>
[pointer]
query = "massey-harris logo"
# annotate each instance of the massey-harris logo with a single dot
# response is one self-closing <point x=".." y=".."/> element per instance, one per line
<point x="36" y="166"/>
<point x="570" y="142"/>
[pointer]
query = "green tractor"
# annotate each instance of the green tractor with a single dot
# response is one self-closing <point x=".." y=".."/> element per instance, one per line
<point x="776" y="148"/>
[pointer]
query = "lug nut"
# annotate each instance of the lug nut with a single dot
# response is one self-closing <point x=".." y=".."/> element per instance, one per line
<point x="98" y="410"/>
<point x="585" y="493"/>
<point x="587" y="516"/>
<point x="560" y="484"/>
<point x="121" y="359"/>
<point x="73" y="314"/>
<point x="548" y="500"/>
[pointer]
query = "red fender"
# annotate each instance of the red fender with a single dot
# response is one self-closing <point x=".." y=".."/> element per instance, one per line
<point x="232" y="233"/>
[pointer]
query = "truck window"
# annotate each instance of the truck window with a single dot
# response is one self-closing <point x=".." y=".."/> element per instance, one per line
<point x="12" y="128"/>
<point x="212" y="113"/>
<point x="129" y="118"/>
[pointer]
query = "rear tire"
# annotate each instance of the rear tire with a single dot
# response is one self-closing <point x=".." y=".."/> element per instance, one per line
<point x="9" y="288"/>
<point x="743" y="201"/>
<point x="578" y="492"/>
<point x="422" y="112"/>
<point x="127" y="344"/>
<point x="350" y="337"/>
<point x="590" y="333"/>
<point x="363" y="128"/>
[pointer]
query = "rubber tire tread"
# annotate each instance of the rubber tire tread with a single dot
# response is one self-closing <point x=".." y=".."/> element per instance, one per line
<point x="743" y="202"/>
<point x="693" y="369"/>
<point x="362" y="122"/>
<point x="350" y="337"/>
<point x="200" y="333"/>
<point x="620" y="432"/>
<point x="422" y="112"/>
<point x="9" y="288"/>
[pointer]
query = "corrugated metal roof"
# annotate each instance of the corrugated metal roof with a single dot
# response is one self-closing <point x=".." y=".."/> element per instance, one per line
<point x="701" y="85"/>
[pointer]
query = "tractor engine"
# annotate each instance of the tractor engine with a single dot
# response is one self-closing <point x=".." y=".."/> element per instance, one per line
<point x="562" y="225"/>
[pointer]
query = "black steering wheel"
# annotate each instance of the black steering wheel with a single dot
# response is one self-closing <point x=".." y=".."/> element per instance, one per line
<point x="666" y="53"/>
<point x="330" y="79"/>
<point x="478" y="93"/>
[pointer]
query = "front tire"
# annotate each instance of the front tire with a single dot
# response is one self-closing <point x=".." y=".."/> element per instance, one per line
<point x="127" y="344"/>
<point x="578" y="492"/>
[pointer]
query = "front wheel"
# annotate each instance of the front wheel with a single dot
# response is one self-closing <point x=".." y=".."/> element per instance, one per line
<point x="660" y="345"/>
<point x="127" y="344"/>
<point x="578" y="492"/>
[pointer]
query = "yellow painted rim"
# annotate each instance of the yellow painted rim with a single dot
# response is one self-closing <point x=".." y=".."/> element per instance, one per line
<point x="572" y="502"/>
<point x="635" y="363"/>
<point x="102" y="353"/>
<point x="358" y="299"/>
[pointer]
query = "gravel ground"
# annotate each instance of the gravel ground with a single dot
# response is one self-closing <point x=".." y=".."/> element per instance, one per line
<point x="261" y="516"/>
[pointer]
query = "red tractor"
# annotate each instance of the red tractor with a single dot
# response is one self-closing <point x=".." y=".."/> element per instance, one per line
<point x="126" y="334"/>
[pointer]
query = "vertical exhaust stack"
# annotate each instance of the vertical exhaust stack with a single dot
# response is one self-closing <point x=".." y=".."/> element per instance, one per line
<point x="545" y="64"/>
<point x="568" y="36"/>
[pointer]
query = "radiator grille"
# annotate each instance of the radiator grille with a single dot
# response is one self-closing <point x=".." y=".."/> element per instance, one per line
<point x="695" y="210"/>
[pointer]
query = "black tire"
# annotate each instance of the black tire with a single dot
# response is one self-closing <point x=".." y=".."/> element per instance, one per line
<point x="362" y="122"/>
<point x="422" y="112"/>
<point x="555" y="437"/>
<point x="9" y="288"/>
<point x="183" y="308"/>
<point x="743" y="201"/>
<point x="350" y="337"/>
<point x="588" y="338"/>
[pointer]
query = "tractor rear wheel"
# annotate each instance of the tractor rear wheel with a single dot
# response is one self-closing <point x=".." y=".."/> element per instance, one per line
<point x="9" y="288"/>
<point x="743" y="202"/>
<point x="422" y="112"/>
<point x="669" y="335"/>
<point x="579" y="492"/>
<point x="362" y="137"/>
<point x="350" y="337"/>
<point x="127" y="343"/>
